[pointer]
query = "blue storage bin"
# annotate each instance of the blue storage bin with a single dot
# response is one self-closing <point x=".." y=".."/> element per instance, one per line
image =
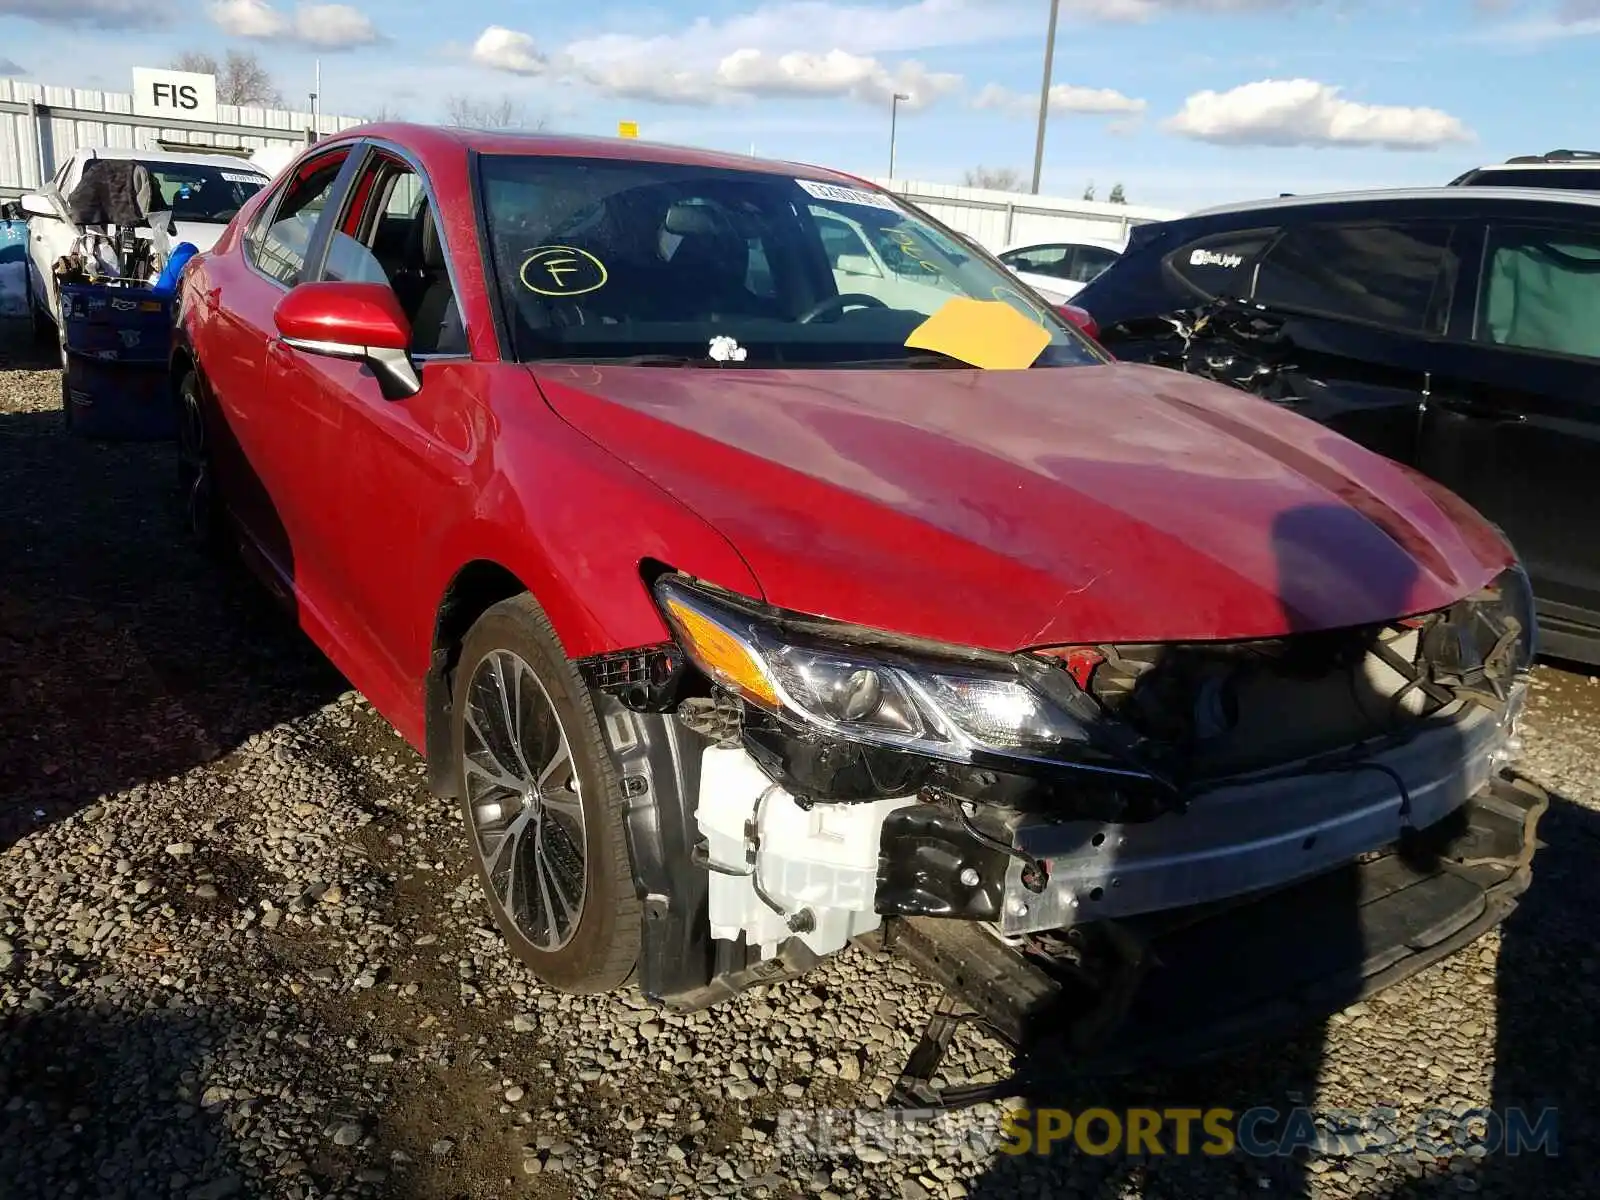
<point x="118" y="340"/>
<point x="114" y="381"/>
<point x="118" y="400"/>
<point x="117" y="324"/>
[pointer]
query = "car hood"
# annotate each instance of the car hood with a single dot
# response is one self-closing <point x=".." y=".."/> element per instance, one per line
<point x="1008" y="509"/>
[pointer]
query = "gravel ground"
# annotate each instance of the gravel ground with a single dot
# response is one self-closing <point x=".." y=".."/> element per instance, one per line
<point x="242" y="952"/>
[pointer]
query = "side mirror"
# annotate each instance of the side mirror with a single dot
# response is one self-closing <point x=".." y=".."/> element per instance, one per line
<point x="36" y="204"/>
<point x="359" y="321"/>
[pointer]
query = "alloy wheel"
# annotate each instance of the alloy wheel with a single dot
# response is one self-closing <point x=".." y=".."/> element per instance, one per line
<point x="525" y="799"/>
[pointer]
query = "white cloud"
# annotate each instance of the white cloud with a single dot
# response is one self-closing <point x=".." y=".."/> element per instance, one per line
<point x="833" y="74"/>
<point x="632" y="80"/>
<point x="1130" y="11"/>
<point x="507" y="50"/>
<point x="102" y="14"/>
<point x="324" y="26"/>
<point x="779" y="27"/>
<point x="334" y="26"/>
<point x="249" y="19"/>
<point x="1522" y="30"/>
<point x="1534" y="32"/>
<point x="1303" y="112"/>
<point x="1066" y="98"/>
<point x="618" y="68"/>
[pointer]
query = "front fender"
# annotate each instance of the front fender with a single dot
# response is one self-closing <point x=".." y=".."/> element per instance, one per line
<point x="576" y="526"/>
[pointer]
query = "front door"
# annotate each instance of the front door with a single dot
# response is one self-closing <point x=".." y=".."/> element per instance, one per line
<point x="385" y="464"/>
<point x="1352" y="312"/>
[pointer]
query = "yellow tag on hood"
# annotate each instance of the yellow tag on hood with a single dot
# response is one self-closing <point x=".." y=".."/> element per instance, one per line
<point x="986" y="333"/>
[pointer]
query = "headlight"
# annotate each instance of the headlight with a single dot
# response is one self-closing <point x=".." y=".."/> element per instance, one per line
<point x="963" y="707"/>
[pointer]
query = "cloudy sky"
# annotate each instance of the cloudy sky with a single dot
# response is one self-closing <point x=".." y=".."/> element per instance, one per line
<point x="1185" y="102"/>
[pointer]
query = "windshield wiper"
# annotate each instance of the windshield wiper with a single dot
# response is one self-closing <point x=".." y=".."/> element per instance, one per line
<point x="918" y="358"/>
<point x="634" y="360"/>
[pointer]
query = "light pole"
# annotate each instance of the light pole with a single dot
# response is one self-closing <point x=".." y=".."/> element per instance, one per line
<point x="1044" y="93"/>
<point x="894" y="118"/>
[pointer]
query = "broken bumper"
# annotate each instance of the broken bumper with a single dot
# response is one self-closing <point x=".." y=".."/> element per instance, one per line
<point x="1193" y="982"/>
<point x="1251" y="834"/>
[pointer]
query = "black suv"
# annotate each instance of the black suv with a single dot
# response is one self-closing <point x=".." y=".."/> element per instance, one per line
<point x="1453" y="329"/>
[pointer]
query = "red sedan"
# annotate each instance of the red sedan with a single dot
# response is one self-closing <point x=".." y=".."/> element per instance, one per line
<point x="653" y="495"/>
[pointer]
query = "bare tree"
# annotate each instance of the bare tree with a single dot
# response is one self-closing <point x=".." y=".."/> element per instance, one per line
<point x="505" y="113"/>
<point x="241" y="77"/>
<point x="999" y="179"/>
<point x="1117" y="195"/>
<point x="384" y="112"/>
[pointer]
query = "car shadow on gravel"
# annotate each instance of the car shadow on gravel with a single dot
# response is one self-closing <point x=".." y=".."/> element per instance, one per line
<point x="126" y="656"/>
<point x="105" y="1102"/>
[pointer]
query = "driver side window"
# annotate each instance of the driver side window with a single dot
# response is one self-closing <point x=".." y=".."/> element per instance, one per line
<point x="389" y="235"/>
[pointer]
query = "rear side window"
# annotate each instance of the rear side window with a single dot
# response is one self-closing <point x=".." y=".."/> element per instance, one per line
<point x="281" y="238"/>
<point x="1218" y="265"/>
<point x="1541" y="290"/>
<point x="1395" y="275"/>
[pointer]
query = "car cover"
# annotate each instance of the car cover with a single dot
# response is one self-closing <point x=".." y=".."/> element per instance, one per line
<point x="114" y="192"/>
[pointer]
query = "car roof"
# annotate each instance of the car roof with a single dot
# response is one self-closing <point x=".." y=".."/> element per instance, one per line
<point x="435" y="138"/>
<point x="1096" y="243"/>
<point x="171" y="156"/>
<point x="1434" y="195"/>
<point x="1560" y="164"/>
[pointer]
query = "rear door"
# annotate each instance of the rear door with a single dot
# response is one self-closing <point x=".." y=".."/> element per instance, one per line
<point x="1512" y="421"/>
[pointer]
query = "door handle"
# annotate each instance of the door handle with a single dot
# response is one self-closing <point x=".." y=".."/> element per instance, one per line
<point x="1476" y="410"/>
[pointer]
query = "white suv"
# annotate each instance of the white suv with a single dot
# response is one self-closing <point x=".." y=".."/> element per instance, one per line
<point x="1573" y="170"/>
<point x="203" y="191"/>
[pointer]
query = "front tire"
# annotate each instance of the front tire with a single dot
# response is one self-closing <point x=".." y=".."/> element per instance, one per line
<point x="542" y="803"/>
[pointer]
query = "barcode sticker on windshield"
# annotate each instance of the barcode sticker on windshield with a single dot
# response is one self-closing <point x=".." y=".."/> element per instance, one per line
<point x="844" y="195"/>
<point x="241" y="177"/>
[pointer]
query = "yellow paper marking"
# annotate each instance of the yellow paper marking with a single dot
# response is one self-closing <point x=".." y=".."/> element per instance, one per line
<point x="986" y="333"/>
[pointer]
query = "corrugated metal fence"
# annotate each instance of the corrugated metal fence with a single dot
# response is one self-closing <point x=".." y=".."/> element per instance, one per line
<point x="41" y="126"/>
<point x="999" y="219"/>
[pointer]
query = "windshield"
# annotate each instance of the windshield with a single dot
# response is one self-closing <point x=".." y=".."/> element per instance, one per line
<point x="205" y="192"/>
<point x="607" y="258"/>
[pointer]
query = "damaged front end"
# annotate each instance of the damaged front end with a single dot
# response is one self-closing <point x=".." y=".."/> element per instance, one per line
<point x="1032" y="827"/>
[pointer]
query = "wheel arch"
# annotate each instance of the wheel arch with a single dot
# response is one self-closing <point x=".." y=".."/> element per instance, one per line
<point x="475" y="588"/>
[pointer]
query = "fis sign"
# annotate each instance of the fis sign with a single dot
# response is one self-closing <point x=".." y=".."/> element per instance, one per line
<point x="176" y="95"/>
